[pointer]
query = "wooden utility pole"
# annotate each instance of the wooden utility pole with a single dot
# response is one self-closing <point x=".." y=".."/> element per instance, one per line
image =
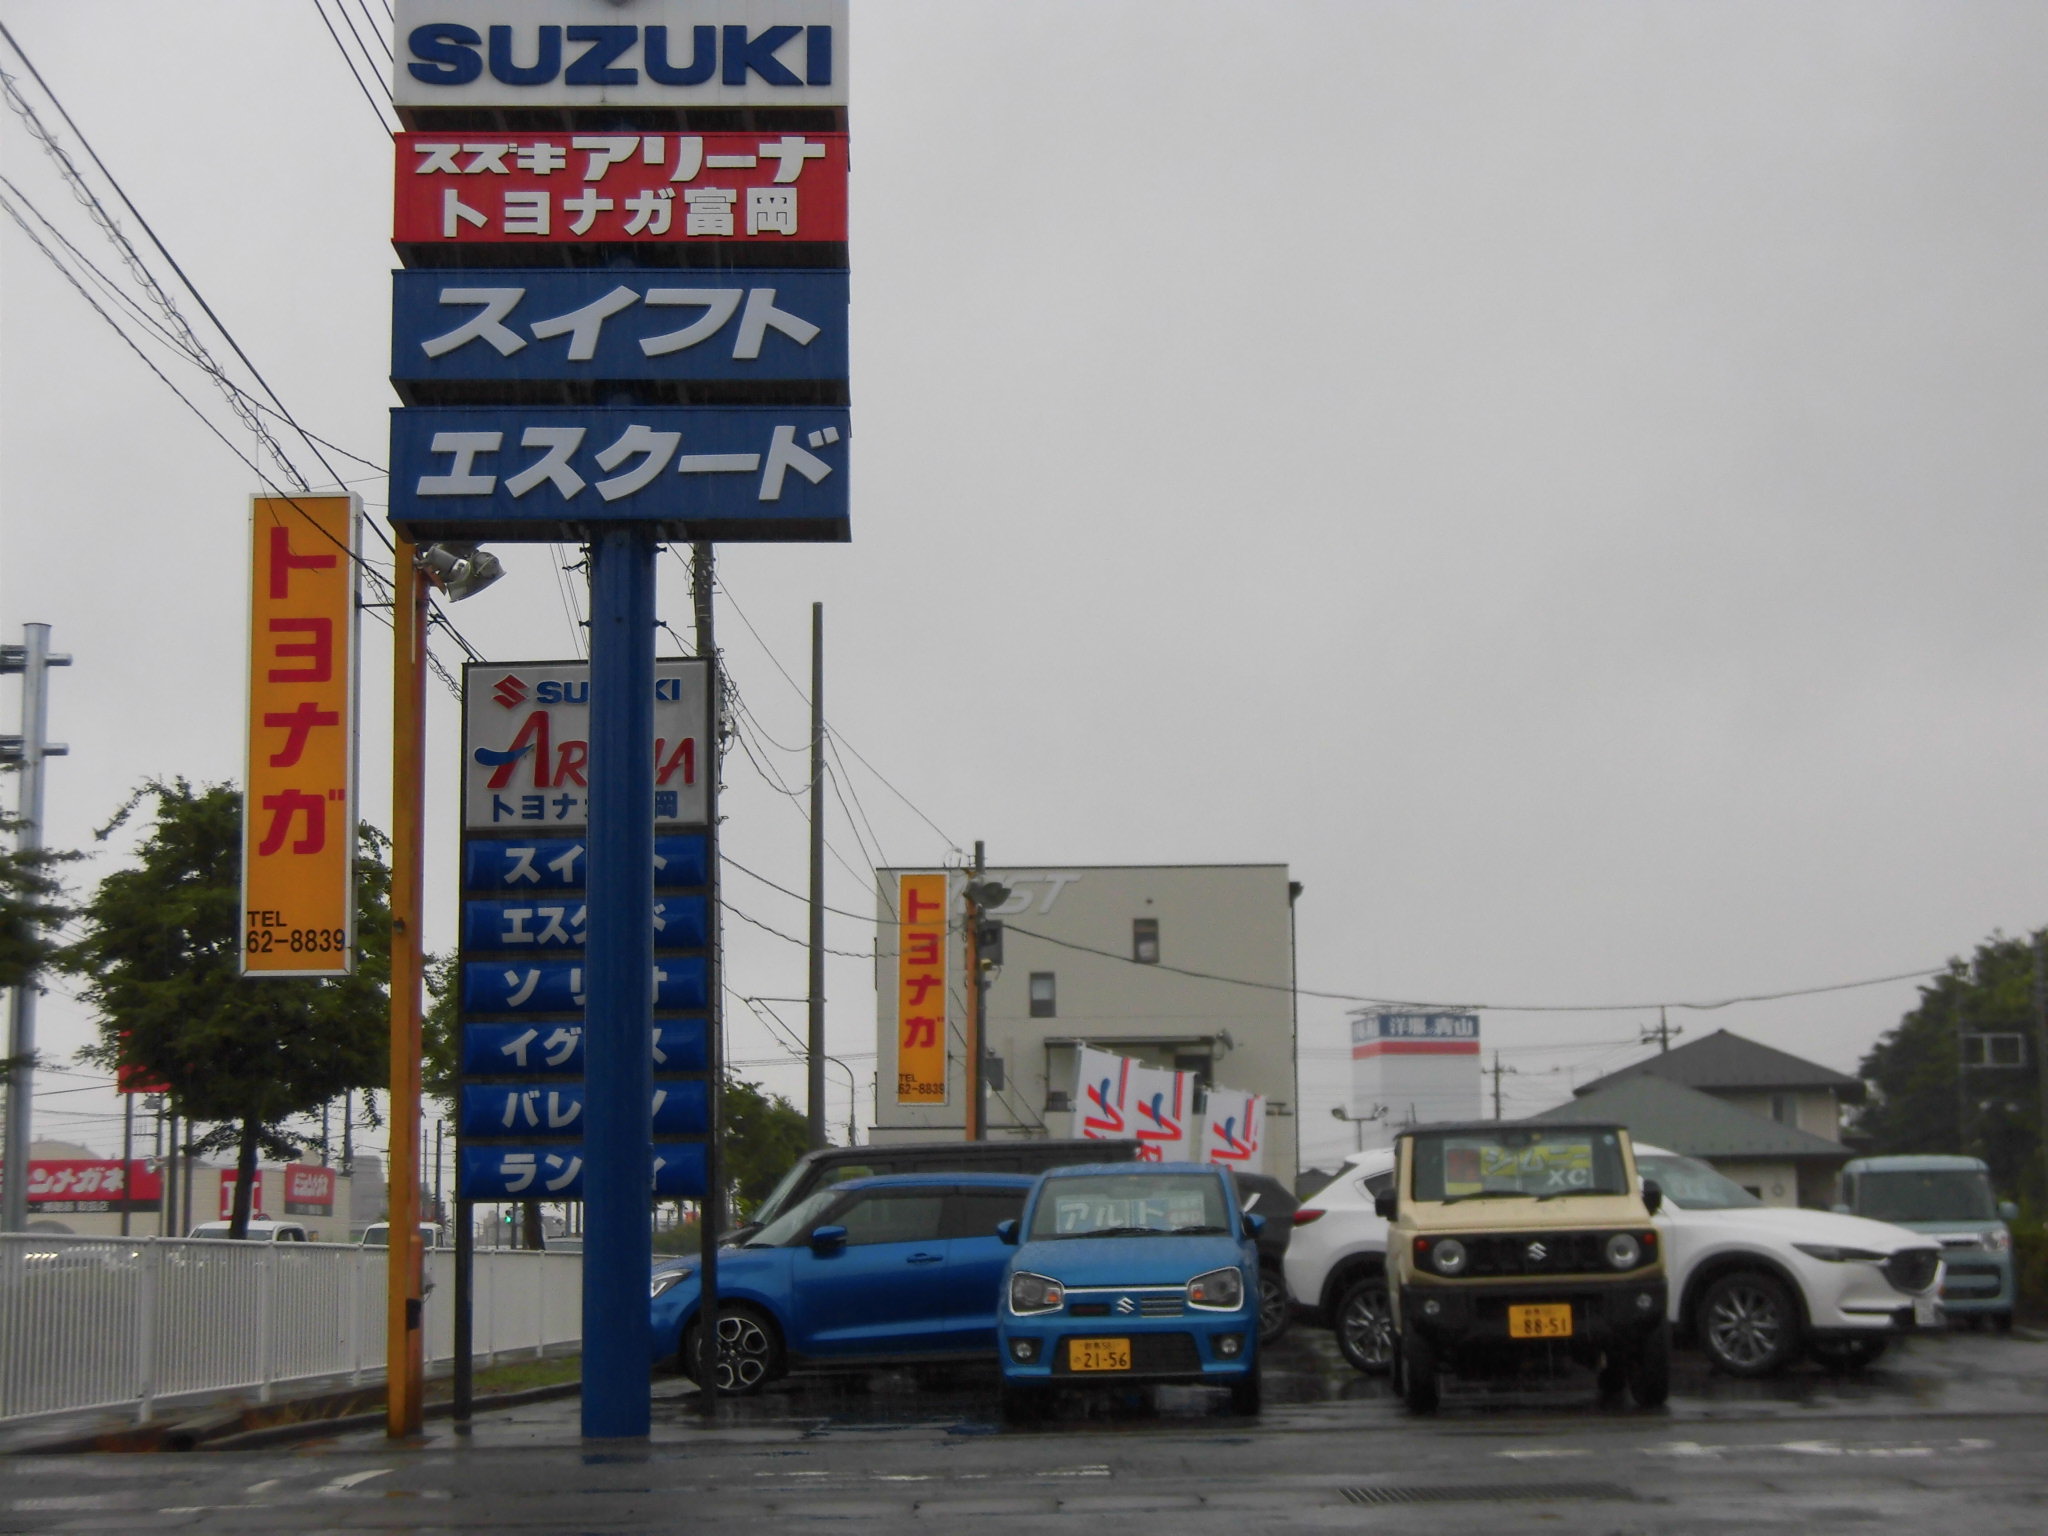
<point x="977" y="1002"/>
<point x="815" y="1077"/>
<point x="405" y="1372"/>
<point x="711" y="1212"/>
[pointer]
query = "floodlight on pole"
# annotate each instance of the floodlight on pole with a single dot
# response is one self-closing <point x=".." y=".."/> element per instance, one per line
<point x="459" y="570"/>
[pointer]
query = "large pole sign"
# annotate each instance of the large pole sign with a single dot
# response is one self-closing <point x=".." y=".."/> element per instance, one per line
<point x="299" y="790"/>
<point x="921" y="990"/>
<point x="623" y="321"/>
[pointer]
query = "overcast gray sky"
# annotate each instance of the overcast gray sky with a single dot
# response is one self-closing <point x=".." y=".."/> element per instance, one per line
<point x="1566" y="478"/>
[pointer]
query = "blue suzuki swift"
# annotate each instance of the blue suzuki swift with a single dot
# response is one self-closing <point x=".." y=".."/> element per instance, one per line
<point x="1130" y="1273"/>
<point x="879" y="1271"/>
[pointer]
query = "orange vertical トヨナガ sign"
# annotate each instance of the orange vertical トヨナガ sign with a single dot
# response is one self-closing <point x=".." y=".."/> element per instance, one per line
<point x="299" y="793"/>
<point x="921" y="990"/>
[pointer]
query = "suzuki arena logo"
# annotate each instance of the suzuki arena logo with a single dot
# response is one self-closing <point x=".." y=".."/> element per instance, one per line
<point x="510" y="692"/>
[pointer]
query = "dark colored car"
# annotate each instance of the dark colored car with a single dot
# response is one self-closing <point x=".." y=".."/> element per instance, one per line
<point x="834" y="1165"/>
<point x="1265" y="1197"/>
<point x="897" y="1270"/>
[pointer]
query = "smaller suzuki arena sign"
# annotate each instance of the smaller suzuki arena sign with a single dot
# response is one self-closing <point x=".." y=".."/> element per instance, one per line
<point x="526" y="745"/>
<point x="620" y="53"/>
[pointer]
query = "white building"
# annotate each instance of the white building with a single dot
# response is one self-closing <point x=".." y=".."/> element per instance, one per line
<point x="1102" y="955"/>
<point x="1411" y="1069"/>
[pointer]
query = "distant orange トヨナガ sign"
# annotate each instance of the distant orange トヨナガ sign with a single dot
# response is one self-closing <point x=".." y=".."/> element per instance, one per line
<point x="921" y="990"/>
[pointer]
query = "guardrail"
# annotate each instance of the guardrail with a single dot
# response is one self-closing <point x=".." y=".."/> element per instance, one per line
<point x="91" y="1322"/>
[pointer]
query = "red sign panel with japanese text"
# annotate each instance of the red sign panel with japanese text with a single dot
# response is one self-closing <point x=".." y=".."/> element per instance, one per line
<point x="299" y="795"/>
<point x="72" y="1185"/>
<point x="309" y="1190"/>
<point x="921" y="990"/>
<point x="564" y="188"/>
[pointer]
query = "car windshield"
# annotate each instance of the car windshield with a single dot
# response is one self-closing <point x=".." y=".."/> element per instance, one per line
<point x="1130" y="1204"/>
<point x="768" y="1208"/>
<point x="1516" y="1162"/>
<point x="1934" y="1194"/>
<point x="793" y="1224"/>
<point x="1691" y="1185"/>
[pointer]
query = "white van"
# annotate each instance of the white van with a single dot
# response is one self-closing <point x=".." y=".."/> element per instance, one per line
<point x="378" y="1235"/>
<point x="259" y="1231"/>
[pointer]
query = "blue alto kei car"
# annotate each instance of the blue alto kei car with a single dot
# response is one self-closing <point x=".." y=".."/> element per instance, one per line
<point x="1130" y="1273"/>
<point x="903" y="1269"/>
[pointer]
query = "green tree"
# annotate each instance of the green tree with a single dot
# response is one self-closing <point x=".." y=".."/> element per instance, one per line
<point x="31" y="905"/>
<point x="160" y="963"/>
<point x="764" y="1135"/>
<point x="1923" y="1100"/>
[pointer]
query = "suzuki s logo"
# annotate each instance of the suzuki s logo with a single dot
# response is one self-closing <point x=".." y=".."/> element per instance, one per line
<point x="510" y="692"/>
<point x="1125" y="1305"/>
<point x="1537" y="1253"/>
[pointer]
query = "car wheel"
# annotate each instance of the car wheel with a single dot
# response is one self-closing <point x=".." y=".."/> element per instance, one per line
<point x="1022" y="1404"/>
<point x="1418" y="1373"/>
<point x="1273" y="1304"/>
<point x="1365" y="1326"/>
<point x="1245" y="1394"/>
<point x="1649" y="1376"/>
<point x="1748" y="1324"/>
<point x="1847" y="1354"/>
<point x="749" y="1351"/>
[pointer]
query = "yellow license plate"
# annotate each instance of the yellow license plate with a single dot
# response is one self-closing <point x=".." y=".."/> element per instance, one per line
<point x="1547" y="1321"/>
<point x="1099" y="1354"/>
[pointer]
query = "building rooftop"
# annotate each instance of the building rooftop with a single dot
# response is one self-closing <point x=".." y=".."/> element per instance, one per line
<point x="1668" y="1114"/>
<point x="1723" y="1062"/>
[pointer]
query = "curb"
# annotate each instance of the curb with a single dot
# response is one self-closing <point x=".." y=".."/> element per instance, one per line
<point x="308" y="1429"/>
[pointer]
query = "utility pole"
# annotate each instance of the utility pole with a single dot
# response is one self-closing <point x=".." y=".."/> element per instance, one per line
<point x="702" y="574"/>
<point x="1663" y="1034"/>
<point x="2041" y="1043"/>
<point x="404" y="1262"/>
<point x="816" y="1074"/>
<point x="1496" y="1072"/>
<point x="32" y="659"/>
<point x="977" y="1101"/>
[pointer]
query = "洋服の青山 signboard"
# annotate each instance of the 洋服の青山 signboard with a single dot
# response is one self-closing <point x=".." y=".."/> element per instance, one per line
<point x="734" y="472"/>
<point x="582" y="327"/>
<point x="526" y="758"/>
<point x="298" y="801"/>
<point x="644" y="54"/>
<point x="579" y="188"/>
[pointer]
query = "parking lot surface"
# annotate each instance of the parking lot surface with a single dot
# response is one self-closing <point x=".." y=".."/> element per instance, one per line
<point x="1949" y="1432"/>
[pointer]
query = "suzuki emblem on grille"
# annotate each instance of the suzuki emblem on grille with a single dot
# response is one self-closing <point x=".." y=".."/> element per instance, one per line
<point x="1125" y="1304"/>
<point x="1537" y="1253"/>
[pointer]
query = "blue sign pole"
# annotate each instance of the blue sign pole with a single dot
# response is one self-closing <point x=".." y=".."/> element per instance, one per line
<point x="618" y="1145"/>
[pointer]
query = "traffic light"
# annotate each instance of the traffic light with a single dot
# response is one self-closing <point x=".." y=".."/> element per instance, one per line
<point x="988" y="940"/>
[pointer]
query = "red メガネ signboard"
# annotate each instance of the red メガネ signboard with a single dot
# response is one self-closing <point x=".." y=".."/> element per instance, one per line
<point x="86" y="1185"/>
<point x="571" y="188"/>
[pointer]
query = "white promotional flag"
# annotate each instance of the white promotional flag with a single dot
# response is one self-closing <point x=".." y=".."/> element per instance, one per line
<point x="1101" y="1094"/>
<point x="1161" y="1109"/>
<point x="1234" y="1130"/>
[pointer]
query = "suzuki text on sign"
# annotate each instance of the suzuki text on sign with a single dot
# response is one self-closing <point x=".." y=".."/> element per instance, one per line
<point x="921" y="990"/>
<point x="620" y="53"/>
<point x="299" y="794"/>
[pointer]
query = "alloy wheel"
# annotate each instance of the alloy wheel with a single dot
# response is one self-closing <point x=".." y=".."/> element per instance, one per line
<point x="1746" y="1324"/>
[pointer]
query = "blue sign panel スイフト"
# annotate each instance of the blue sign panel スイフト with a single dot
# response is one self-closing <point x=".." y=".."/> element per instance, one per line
<point x="556" y="863"/>
<point x="764" y="472"/>
<point x="487" y="325"/>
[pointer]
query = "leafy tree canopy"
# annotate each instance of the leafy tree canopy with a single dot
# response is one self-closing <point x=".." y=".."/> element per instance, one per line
<point x="1923" y="1100"/>
<point x="160" y="962"/>
<point x="764" y="1135"/>
<point x="31" y="905"/>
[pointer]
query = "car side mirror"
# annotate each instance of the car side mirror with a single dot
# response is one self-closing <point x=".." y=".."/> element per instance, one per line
<point x="1253" y="1225"/>
<point x="1384" y="1205"/>
<point x="1653" y="1196"/>
<point x="2007" y="1211"/>
<point x="826" y="1240"/>
<point x="1007" y="1231"/>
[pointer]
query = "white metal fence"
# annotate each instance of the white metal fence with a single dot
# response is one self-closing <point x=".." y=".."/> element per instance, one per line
<point x="98" y="1322"/>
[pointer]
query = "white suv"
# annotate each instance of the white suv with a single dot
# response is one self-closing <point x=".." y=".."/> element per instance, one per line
<point x="1751" y="1284"/>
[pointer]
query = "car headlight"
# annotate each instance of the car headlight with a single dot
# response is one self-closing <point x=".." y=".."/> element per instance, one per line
<point x="1035" y="1293"/>
<point x="1999" y="1241"/>
<point x="1623" y="1251"/>
<point x="1221" y="1290"/>
<point x="1829" y="1254"/>
<point x="667" y="1280"/>
<point x="1447" y="1256"/>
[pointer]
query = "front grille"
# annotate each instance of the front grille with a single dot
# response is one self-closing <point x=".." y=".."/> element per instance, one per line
<point x="1912" y="1269"/>
<point x="1089" y="1309"/>
<point x="1152" y="1354"/>
<point x="1159" y="1306"/>
<point x="1538" y="1253"/>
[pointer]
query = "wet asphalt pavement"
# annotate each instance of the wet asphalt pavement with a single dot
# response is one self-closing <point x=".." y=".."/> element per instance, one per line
<point x="1949" y="1433"/>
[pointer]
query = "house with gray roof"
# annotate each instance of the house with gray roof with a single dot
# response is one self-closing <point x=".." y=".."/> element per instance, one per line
<point x="1767" y="1082"/>
<point x="1780" y="1164"/>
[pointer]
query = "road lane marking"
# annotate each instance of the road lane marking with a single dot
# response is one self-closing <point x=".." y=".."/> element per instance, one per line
<point x="343" y="1484"/>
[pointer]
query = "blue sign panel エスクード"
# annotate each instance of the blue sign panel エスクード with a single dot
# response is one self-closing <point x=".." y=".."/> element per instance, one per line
<point x="527" y="473"/>
<point x="464" y="325"/>
<point x="540" y="925"/>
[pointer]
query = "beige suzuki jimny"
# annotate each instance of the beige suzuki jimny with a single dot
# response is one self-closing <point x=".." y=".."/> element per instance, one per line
<point x="1515" y="1246"/>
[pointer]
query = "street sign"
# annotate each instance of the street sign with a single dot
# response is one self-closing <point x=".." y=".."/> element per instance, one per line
<point x="464" y="327"/>
<point x="299" y="790"/>
<point x="921" y="903"/>
<point x="611" y="53"/>
<point x="560" y="189"/>
<point x="733" y="472"/>
<point x="554" y="1171"/>
<point x="526" y="759"/>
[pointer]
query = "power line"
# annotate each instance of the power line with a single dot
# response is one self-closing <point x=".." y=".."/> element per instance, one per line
<point x="349" y="60"/>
